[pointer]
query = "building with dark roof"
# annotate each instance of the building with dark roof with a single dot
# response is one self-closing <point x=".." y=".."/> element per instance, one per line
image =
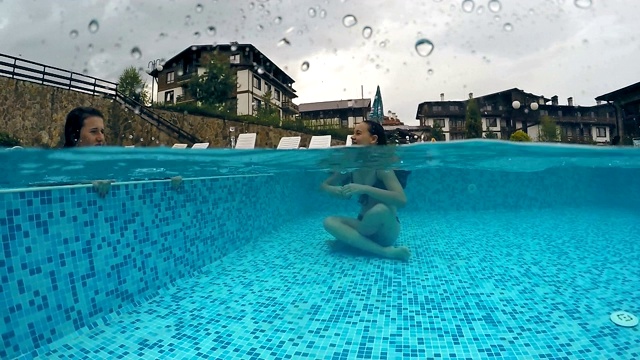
<point x="256" y="75"/>
<point x="335" y="114"/>
<point x="579" y="124"/>
<point x="626" y="102"/>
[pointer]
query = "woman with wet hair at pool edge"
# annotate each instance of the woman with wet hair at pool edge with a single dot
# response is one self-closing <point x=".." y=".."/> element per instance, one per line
<point x="84" y="127"/>
<point x="377" y="226"/>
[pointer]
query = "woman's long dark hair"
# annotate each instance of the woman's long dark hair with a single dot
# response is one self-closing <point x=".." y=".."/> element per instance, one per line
<point x="377" y="129"/>
<point x="74" y="123"/>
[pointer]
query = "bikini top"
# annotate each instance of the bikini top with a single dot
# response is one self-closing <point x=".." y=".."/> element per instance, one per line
<point x="402" y="176"/>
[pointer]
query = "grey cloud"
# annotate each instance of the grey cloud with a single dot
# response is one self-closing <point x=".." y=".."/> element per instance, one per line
<point x="545" y="52"/>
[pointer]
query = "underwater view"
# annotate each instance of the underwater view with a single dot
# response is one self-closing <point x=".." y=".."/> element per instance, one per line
<point x="333" y="179"/>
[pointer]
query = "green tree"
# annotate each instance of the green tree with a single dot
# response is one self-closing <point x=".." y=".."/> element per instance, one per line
<point x="268" y="112"/>
<point x="216" y="87"/>
<point x="130" y="84"/>
<point x="473" y="121"/>
<point x="520" y="136"/>
<point x="490" y="134"/>
<point x="548" y="129"/>
<point x="436" y="131"/>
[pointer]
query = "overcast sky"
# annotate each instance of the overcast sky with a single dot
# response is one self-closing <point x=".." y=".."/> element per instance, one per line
<point x="577" y="48"/>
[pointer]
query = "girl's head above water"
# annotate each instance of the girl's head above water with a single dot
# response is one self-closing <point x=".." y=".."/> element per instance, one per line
<point x="84" y="127"/>
<point x="369" y="133"/>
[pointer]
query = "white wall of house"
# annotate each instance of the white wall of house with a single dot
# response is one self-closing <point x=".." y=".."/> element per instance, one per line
<point x="244" y="81"/>
<point x="534" y="132"/>
<point x="162" y="95"/>
<point x="244" y="104"/>
<point x="604" y="130"/>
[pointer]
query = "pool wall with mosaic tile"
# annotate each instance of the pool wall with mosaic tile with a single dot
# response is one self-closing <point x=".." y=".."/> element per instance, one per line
<point x="72" y="260"/>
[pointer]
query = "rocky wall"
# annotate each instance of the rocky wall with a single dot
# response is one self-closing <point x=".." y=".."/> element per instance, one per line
<point x="35" y="114"/>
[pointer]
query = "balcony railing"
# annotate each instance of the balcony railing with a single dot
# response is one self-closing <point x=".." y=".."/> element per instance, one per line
<point x="456" y="128"/>
<point x="290" y="106"/>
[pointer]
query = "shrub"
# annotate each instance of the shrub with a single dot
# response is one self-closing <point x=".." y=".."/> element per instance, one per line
<point x="520" y="136"/>
<point x="6" y="140"/>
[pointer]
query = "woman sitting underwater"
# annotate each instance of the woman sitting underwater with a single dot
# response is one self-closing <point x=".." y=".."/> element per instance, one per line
<point x="377" y="227"/>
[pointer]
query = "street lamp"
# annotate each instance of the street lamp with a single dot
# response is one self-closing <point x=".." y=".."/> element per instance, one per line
<point x="153" y="65"/>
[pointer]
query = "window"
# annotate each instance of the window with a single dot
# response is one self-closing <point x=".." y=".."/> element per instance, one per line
<point x="601" y="131"/>
<point x="454" y="107"/>
<point x="277" y="95"/>
<point x="492" y="122"/>
<point x="438" y="122"/>
<point x="171" y="77"/>
<point x="457" y="136"/>
<point x="257" y="82"/>
<point x="488" y="108"/>
<point x="257" y="104"/>
<point x="437" y="108"/>
<point x="267" y="87"/>
<point x="234" y="59"/>
<point x="560" y="113"/>
<point x="168" y="96"/>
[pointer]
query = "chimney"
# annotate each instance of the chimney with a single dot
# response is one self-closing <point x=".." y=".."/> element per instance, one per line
<point x="470" y="95"/>
<point x="441" y="96"/>
<point x="554" y="100"/>
<point x="570" y="101"/>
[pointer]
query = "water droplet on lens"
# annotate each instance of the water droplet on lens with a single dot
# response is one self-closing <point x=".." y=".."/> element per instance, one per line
<point x="323" y="13"/>
<point x="349" y="20"/>
<point x="508" y="27"/>
<point x="90" y="47"/>
<point x="424" y="47"/>
<point x="312" y="12"/>
<point x="468" y="5"/>
<point x="305" y="66"/>
<point x="211" y="31"/>
<point x="277" y="20"/>
<point x="196" y="34"/>
<point x="94" y="26"/>
<point x="582" y="4"/>
<point x="260" y="27"/>
<point x="73" y="34"/>
<point x="430" y="72"/>
<point x="366" y="32"/>
<point x="283" y="42"/>
<point x="136" y="53"/>
<point x="199" y="8"/>
<point x="480" y="9"/>
<point x="495" y="6"/>
<point x="260" y="70"/>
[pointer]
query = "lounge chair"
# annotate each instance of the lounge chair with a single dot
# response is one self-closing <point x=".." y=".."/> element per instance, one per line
<point x="130" y="146"/>
<point x="246" y="141"/>
<point x="349" y="141"/>
<point x="179" y="146"/>
<point x="289" y="142"/>
<point x="320" y="142"/>
<point x="200" y="145"/>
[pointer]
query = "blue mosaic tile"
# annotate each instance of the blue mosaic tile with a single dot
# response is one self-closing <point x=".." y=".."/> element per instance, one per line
<point x="541" y="289"/>
<point x="70" y="258"/>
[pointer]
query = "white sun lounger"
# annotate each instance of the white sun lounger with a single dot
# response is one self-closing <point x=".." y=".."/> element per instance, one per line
<point x="200" y="145"/>
<point x="289" y="142"/>
<point x="320" y="142"/>
<point x="349" y="141"/>
<point x="179" y="146"/>
<point x="246" y="141"/>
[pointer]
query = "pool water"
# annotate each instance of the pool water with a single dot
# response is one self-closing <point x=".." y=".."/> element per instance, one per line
<point x="517" y="252"/>
<point x="477" y="287"/>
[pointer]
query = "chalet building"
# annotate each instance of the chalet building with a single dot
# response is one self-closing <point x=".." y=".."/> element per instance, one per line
<point x="580" y="124"/>
<point x="256" y="75"/>
<point x="335" y="114"/>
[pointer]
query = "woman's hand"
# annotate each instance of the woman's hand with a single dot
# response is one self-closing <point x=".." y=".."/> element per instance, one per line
<point x="353" y="189"/>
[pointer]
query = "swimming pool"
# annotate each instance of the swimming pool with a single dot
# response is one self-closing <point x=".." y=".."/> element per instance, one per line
<point x="519" y="251"/>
